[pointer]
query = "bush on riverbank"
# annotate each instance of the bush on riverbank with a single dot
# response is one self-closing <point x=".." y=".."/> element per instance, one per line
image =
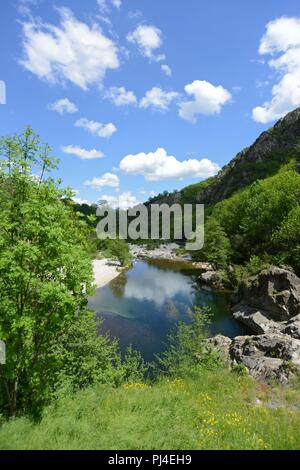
<point x="117" y="249"/>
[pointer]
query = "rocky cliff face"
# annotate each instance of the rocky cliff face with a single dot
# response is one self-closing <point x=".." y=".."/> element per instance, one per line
<point x="269" y="306"/>
<point x="272" y="148"/>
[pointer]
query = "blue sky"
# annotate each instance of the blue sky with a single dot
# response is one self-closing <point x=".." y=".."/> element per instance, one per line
<point x="139" y="96"/>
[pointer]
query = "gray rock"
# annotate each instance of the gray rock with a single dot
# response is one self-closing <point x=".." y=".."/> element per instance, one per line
<point x="292" y="327"/>
<point x="203" y="266"/>
<point x="221" y="344"/>
<point x="270" y="303"/>
<point x="257" y="321"/>
<point x="210" y="277"/>
<point x="269" y="356"/>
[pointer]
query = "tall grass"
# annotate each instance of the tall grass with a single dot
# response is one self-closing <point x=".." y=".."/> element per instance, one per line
<point x="206" y="409"/>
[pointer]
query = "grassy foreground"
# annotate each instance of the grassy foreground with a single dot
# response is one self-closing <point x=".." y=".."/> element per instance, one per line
<point x="205" y="410"/>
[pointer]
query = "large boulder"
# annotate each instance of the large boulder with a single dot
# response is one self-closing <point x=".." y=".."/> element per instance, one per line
<point x="272" y="356"/>
<point x="255" y="320"/>
<point x="267" y="357"/>
<point x="270" y="302"/>
<point x="275" y="292"/>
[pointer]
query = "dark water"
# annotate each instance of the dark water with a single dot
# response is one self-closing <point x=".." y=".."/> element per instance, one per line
<point x="141" y="306"/>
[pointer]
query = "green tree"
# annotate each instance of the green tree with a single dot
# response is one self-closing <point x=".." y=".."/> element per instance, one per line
<point x="286" y="238"/>
<point x="45" y="271"/>
<point x="268" y="204"/>
<point x="116" y="249"/>
<point x="216" y="247"/>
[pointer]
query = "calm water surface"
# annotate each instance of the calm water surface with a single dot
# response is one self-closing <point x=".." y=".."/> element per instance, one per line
<point x="141" y="306"/>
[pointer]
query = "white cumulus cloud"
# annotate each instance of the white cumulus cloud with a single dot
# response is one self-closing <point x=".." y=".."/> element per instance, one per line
<point x="123" y="201"/>
<point x="97" y="128"/>
<point x="120" y="96"/>
<point x="63" y="106"/>
<point x="158" y="99"/>
<point x="207" y="99"/>
<point x="158" y="165"/>
<point x="282" y="41"/>
<point x="148" y="39"/>
<point x="108" y="179"/>
<point x="72" y="51"/>
<point x="82" y="153"/>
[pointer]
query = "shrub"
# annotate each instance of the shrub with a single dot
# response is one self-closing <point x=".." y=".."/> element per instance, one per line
<point x="186" y="345"/>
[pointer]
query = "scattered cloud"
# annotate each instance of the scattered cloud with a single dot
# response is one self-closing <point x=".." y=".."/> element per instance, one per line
<point x="236" y="89"/>
<point x="24" y="7"/>
<point x="158" y="99"/>
<point x="207" y="99"/>
<point x="281" y="39"/>
<point x="78" y="200"/>
<point x="104" y="5"/>
<point x="63" y="106"/>
<point x="82" y="153"/>
<point x="120" y="96"/>
<point x="262" y="83"/>
<point x="108" y="179"/>
<point x="2" y="92"/>
<point x="117" y="3"/>
<point x="149" y="40"/>
<point x="135" y="14"/>
<point x="167" y="70"/>
<point x="158" y="165"/>
<point x="97" y="128"/>
<point x="123" y="201"/>
<point x="72" y="51"/>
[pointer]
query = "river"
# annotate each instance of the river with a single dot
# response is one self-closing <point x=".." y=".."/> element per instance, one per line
<point x="141" y="305"/>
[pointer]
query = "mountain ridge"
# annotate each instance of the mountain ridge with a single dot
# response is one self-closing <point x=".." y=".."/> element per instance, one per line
<point x="263" y="158"/>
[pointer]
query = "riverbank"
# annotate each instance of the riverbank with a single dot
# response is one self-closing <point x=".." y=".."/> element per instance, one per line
<point x="167" y="252"/>
<point x="105" y="270"/>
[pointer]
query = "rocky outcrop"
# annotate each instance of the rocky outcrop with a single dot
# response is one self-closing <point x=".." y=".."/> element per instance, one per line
<point x="167" y="251"/>
<point x="275" y="291"/>
<point x="269" y="305"/>
<point x="270" y="302"/>
<point x="266" y="357"/>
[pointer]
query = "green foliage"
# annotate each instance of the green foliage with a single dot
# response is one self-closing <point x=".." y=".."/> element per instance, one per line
<point x="186" y="345"/>
<point x="44" y="269"/>
<point x="117" y="248"/>
<point x="252" y="267"/>
<point x="190" y="193"/>
<point x="85" y="356"/>
<point x="134" y="368"/>
<point x="216" y="244"/>
<point x="263" y="220"/>
<point x="287" y="238"/>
